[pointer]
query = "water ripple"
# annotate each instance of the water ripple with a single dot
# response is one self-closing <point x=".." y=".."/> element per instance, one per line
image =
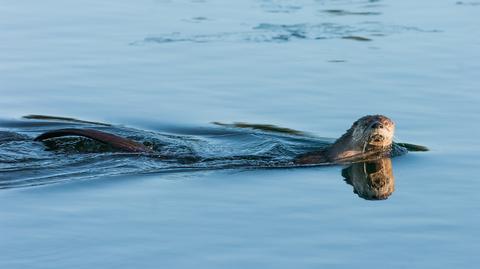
<point x="270" y="32"/>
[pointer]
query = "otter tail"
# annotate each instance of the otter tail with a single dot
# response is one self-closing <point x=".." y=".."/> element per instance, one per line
<point x="115" y="141"/>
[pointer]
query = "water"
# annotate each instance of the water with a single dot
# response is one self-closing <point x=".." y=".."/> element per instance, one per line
<point x="308" y="65"/>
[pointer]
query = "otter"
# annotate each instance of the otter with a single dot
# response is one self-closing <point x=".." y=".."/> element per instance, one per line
<point x="369" y="138"/>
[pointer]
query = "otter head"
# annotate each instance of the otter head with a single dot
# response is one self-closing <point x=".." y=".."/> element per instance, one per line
<point x="368" y="135"/>
<point x="373" y="131"/>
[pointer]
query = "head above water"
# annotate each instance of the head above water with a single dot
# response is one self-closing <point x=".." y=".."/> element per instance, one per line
<point x="368" y="135"/>
<point x="373" y="131"/>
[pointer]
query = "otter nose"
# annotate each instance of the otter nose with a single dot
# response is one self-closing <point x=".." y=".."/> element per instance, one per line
<point x="377" y="125"/>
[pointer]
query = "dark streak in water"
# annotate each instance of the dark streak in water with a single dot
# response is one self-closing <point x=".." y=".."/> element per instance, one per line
<point x="263" y="127"/>
<point x="460" y="3"/>
<point x="65" y="119"/>
<point x="341" y="12"/>
<point x="198" y="19"/>
<point x="357" y="38"/>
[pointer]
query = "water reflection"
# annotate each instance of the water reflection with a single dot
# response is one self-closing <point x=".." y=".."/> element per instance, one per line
<point x="371" y="180"/>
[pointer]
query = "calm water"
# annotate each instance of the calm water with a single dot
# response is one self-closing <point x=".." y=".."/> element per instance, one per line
<point x="174" y="66"/>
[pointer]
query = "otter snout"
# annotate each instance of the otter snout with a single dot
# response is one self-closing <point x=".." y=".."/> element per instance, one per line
<point x="380" y="131"/>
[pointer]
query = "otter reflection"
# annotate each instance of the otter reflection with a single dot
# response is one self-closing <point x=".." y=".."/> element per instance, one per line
<point x="372" y="180"/>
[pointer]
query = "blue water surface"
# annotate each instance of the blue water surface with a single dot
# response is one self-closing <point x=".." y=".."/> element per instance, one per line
<point x="309" y="65"/>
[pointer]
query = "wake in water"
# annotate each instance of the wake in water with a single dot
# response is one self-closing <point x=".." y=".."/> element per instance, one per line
<point x="24" y="162"/>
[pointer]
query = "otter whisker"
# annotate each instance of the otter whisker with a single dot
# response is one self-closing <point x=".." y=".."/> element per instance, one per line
<point x="365" y="144"/>
<point x="364" y="147"/>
